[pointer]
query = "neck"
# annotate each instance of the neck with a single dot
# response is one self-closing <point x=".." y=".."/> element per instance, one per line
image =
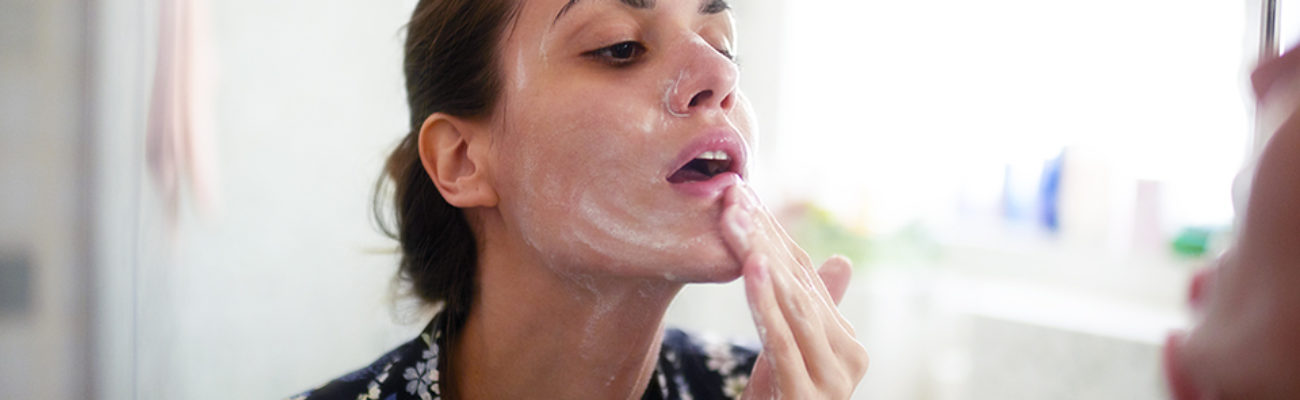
<point x="533" y="332"/>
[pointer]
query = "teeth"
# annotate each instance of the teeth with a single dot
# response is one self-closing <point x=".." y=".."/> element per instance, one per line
<point x="714" y="155"/>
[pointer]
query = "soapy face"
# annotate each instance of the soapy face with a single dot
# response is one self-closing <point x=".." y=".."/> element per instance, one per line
<point x="602" y="110"/>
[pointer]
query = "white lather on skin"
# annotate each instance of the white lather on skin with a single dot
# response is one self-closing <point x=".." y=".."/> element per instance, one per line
<point x="645" y="230"/>
<point x="603" y="221"/>
<point x="521" y="79"/>
<point x="671" y="93"/>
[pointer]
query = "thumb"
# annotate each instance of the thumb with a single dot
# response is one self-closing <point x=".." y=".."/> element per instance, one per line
<point x="835" y="273"/>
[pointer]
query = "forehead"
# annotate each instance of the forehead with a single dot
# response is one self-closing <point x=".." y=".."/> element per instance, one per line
<point x="553" y="11"/>
<point x="703" y="6"/>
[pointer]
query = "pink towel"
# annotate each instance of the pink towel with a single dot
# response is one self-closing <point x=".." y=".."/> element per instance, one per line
<point x="178" y="147"/>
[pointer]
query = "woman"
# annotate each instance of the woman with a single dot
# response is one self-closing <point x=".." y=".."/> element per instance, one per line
<point x="571" y="165"/>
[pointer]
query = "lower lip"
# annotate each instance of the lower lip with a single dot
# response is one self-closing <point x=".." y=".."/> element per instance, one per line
<point x="708" y="189"/>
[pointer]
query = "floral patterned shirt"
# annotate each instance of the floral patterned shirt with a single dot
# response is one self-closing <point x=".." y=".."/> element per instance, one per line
<point x="688" y="368"/>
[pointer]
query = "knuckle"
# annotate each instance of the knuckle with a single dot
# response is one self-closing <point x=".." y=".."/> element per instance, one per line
<point x="805" y="390"/>
<point x="849" y="328"/>
<point x="770" y="310"/>
<point x="798" y="306"/>
<point x="843" y="389"/>
<point x="801" y="256"/>
<point x="836" y="386"/>
<point x="779" y="341"/>
<point x="860" y="360"/>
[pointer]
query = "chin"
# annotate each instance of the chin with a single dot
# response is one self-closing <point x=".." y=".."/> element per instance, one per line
<point x="710" y="263"/>
<point x="694" y="258"/>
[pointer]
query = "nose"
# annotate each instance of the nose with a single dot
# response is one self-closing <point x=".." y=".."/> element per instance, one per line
<point x="707" y="81"/>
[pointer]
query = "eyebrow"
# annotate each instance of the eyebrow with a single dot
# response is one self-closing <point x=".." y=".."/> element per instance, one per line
<point x="707" y="7"/>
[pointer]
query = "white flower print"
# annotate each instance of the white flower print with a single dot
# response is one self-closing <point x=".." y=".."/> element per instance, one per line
<point x="721" y="358"/>
<point x="433" y="388"/>
<point x="683" y="389"/>
<point x="663" y="382"/>
<point x="372" y="390"/>
<point x="372" y="393"/>
<point x="423" y="377"/>
<point x="734" y="386"/>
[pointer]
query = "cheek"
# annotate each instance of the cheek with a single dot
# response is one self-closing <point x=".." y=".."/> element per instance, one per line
<point x="743" y="117"/>
<point x="590" y="192"/>
<point x="589" y="188"/>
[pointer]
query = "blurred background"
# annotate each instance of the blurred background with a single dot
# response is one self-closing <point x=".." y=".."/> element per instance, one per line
<point x="1025" y="187"/>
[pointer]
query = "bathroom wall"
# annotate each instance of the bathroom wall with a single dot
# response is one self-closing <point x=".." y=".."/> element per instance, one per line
<point x="45" y="157"/>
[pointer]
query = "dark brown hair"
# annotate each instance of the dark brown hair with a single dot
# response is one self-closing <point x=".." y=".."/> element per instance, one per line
<point x="451" y="67"/>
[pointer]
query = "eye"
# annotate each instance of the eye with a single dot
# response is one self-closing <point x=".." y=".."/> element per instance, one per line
<point x="619" y="54"/>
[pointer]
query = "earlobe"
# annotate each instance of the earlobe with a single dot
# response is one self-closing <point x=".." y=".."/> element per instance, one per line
<point x="448" y="153"/>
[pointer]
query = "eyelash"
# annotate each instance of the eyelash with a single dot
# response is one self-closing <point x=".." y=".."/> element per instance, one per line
<point x="606" y="54"/>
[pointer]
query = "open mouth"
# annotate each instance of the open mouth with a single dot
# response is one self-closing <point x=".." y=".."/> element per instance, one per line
<point x="704" y="167"/>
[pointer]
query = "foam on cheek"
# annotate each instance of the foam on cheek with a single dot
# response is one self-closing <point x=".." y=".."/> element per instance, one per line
<point x="614" y="229"/>
<point x="538" y="200"/>
<point x="533" y="203"/>
<point x="563" y="219"/>
<point x="521" y="74"/>
<point x="618" y="226"/>
<point x="646" y="124"/>
<point x="650" y="122"/>
<point x="544" y="47"/>
<point x="598" y="214"/>
<point x="605" y="220"/>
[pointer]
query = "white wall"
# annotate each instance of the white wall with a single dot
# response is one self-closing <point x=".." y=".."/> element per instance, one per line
<point x="284" y="284"/>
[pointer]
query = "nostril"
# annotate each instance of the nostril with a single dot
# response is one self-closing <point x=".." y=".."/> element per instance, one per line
<point x="726" y="102"/>
<point x="701" y="97"/>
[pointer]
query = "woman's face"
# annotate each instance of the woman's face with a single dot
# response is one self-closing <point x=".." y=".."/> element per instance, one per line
<point x="619" y="128"/>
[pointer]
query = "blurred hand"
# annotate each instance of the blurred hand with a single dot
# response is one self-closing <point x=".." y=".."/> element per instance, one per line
<point x="809" y="349"/>
<point x="1247" y="342"/>
<point x="1277" y="90"/>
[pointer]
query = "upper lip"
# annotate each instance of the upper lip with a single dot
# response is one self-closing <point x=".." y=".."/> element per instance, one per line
<point x="725" y="140"/>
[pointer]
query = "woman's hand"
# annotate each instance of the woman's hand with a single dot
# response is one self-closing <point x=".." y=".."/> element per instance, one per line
<point x="1243" y="346"/>
<point x="1277" y="92"/>
<point x="809" y="349"/>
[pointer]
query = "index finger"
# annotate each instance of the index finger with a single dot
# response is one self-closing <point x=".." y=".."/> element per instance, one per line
<point x="752" y="228"/>
<point x="1270" y="72"/>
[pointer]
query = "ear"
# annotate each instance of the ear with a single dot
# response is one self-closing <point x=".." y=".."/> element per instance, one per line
<point x="453" y="153"/>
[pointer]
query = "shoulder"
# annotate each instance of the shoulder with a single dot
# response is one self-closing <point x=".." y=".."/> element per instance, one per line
<point x="705" y="366"/>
